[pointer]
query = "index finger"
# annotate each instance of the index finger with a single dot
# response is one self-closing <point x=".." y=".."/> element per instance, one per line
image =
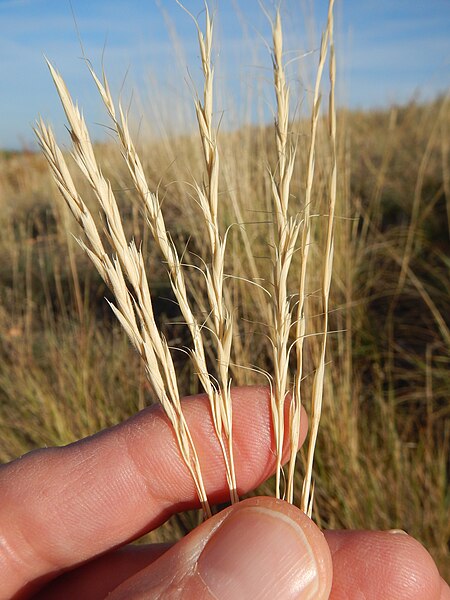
<point x="61" y="506"/>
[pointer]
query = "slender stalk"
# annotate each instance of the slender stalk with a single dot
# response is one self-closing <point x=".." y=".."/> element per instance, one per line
<point x="318" y="383"/>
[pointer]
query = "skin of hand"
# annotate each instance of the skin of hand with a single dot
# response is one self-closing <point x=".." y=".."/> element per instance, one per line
<point x="67" y="516"/>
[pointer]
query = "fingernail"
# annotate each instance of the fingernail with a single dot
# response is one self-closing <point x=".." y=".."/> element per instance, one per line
<point x="258" y="552"/>
<point x="397" y="531"/>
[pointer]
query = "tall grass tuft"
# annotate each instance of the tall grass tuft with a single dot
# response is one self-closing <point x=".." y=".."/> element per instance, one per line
<point x="123" y="269"/>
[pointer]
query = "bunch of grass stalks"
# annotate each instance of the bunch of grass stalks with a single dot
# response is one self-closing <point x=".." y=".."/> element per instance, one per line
<point x="209" y="315"/>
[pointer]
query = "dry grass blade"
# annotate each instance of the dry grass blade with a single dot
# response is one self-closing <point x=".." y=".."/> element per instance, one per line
<point x="318" y="384"/>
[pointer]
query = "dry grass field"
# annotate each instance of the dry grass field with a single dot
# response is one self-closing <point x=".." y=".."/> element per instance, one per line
<point x="67" y="369"/>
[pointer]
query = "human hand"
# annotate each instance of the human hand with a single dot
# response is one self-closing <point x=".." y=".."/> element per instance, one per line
<point x="67" y="514"/>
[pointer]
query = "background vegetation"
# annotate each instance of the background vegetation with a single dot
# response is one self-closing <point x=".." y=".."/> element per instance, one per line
<point x="67" y="370"/>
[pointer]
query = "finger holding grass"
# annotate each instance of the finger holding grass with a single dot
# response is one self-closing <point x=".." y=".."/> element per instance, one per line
<point x="104" y="491"/>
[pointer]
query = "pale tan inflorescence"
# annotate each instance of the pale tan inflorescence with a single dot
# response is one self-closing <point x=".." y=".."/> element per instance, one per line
<point x="123" y="272"/>
<point x="122" y="267"/>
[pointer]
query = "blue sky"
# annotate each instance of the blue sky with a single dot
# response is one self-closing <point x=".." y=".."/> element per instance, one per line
<point x="389" y="51"/>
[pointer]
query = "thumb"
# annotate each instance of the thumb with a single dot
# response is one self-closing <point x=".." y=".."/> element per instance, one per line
<point x="261" y="548"/>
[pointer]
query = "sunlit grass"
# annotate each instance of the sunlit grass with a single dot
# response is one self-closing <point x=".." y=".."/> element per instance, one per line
<point x="67" y="370"/>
